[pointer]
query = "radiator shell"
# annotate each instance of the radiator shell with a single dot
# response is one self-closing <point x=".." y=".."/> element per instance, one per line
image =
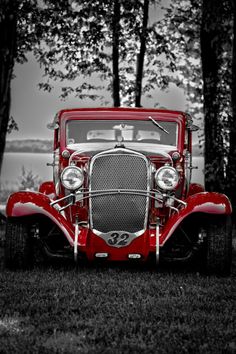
<point x="119" y="169"/>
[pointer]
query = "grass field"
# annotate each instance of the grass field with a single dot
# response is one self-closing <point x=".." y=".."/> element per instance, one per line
<point x="116" y="309"/>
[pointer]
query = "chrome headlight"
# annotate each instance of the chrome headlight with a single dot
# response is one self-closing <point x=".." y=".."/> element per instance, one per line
<point x="72" y="177"/>
<point x="167" y="178"/>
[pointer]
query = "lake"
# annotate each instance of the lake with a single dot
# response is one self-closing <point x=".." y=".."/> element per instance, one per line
<point x="37" y="163"/>
<point x="14" y="162"/>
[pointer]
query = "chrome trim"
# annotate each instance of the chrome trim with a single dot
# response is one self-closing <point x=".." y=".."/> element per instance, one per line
<point x="76" y="239"/>
<point x="157" y="241"/>
<point x="66" y="169"/>
<point x="94" y="194"/>
<point x="178" y="200"/>
<point x="128" y="152"/>
<point x="61" y="199"/>
<point x="134" y="256"/>
<point x="162" y="168"/>
<point x="173" y="208"/>
<point x="99" y="233"/>
<point x="100" y="193"/>
<point x="65" y="206"/>
<point x="101" y="255"/>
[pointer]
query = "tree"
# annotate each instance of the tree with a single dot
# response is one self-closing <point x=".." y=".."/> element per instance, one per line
<point x="215" y="51"/>
<point x="211" y="48"/>
<point x="141" y="55"/>
<point x="107" y="36"/>
<point x="73" y="40"/>
<point x="8" y="42"/>
<point x="115" y="52"/>
<point x="181" y="27"/>
<point x="20" y="28"/>
<point x="232" y="128"/>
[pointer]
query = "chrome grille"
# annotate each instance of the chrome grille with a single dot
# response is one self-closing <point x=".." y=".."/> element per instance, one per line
<point x="119" y="212"/>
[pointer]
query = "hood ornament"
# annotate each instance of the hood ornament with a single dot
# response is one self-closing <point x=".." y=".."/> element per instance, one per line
<point x="120" y="141"/>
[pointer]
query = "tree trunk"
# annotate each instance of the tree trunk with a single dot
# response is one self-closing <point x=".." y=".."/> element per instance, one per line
<point x="210" y="53"/>
<point x="8" y="27"/>
<point x="141" y="55"/>
<point x="115" y="53"/>
<point x="232" y="126"/>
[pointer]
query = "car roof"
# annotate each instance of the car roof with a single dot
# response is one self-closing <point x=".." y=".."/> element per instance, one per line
<point x="119" y="113"/>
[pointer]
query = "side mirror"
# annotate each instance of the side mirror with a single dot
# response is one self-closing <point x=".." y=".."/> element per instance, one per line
<point x="53" y="126"/>
<point x="194" y="128"/>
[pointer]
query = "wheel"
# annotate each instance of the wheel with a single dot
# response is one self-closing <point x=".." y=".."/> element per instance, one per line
<point x="218" y="245"/>
<point x="18" y="247"/>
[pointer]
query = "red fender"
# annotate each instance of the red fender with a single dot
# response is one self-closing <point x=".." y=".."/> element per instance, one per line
<point x="205" y="202"/>
<point x="48" y="188"/>
<point x="195" y="188"/>
<point x="30" y="203"/>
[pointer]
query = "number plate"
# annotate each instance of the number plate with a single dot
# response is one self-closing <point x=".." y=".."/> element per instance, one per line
<point x="117" y="238"/>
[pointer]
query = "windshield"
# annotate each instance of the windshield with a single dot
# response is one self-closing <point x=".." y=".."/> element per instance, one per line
<point x="88" y="135"/>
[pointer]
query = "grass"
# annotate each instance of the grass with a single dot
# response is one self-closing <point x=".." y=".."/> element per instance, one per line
<point x="107" y="308"/>
<point x="119" y="309"/>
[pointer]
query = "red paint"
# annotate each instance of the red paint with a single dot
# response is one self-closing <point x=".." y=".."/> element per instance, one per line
<point x="122" y="114"/>
<point x="48" y="188"/>
<point x="195" y="188"/>
<point x="95" y="244"/>
<point x="22" y="204"/>
<point x="33" y="203"/>
<point x="30" y="203"/>
<point x="205" y="202"/>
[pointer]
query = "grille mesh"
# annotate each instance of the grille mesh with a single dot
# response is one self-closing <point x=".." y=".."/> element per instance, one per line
<point x="119" y="212"/>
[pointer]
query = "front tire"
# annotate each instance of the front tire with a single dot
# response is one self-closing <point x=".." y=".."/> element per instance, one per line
<point x="18" y="247"/>
<point x="218" y="245"/>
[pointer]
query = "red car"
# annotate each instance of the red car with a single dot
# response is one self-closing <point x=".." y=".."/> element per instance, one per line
<point x="121" y="191"/>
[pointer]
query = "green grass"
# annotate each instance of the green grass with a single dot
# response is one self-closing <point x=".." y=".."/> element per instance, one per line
<point x="117" y="309"/>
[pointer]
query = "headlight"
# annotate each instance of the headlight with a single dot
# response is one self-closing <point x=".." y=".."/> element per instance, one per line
<point x="72" y="177"/>
<point x="167" y="178"/>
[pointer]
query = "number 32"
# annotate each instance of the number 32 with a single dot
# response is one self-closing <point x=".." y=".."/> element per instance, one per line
<point x="118" y="239"/>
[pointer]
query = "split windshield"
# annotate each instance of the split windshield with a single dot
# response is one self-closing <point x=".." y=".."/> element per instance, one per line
<point x="140" y="135"/>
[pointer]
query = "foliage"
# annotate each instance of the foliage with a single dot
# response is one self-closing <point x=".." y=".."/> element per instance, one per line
<point x="73" y="42"/>
<point x="77" y="44"/>
<point x="28" y="180"/>
<point x="181" y="28"/>
<point x="232" y="126"/>
<point x="12" y="125"/>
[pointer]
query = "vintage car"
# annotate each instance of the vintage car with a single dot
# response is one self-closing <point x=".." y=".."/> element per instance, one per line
<point x="121" y="191"/>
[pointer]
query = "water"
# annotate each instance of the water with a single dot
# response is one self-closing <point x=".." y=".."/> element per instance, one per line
<point x="37" y="163"/>
<point x="14" y="162"/>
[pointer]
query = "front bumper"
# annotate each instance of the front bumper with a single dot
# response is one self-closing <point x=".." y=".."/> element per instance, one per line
<point x="27" y="204"/>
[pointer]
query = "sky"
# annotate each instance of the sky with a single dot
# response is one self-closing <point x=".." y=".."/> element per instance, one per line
<point x="32" y="108"/>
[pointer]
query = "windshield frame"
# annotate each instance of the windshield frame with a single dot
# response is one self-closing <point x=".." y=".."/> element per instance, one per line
<point x="123" y="135"/>
<point x="124" y="114"/>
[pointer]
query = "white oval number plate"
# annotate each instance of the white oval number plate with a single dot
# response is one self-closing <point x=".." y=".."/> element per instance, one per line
<point x="117" y="238"/>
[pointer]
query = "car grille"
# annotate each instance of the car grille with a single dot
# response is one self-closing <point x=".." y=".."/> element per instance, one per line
<point x="119" y="212"/>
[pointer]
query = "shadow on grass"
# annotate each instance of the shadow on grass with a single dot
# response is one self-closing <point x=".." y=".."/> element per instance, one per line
<point x="84" y="267"/>
<point x="132" y="266"/>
